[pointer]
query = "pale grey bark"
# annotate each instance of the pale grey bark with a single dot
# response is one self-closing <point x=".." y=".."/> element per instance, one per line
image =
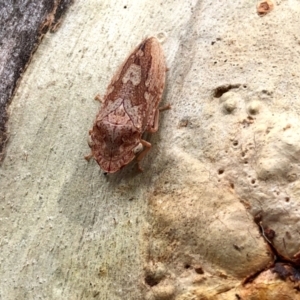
<point x="223" y="166"/>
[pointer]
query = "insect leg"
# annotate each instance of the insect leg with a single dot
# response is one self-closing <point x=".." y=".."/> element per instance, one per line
<point x="167" y="106"/>
<point x="147" y="146"/>
<point x="98" y="98"/>
<point x="156" y="117"/>
<point x="89" y="156"/>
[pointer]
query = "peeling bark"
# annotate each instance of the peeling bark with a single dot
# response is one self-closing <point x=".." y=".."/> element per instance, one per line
<point x="22" y="26"/>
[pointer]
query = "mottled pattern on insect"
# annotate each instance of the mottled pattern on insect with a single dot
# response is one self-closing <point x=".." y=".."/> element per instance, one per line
<point x="130" y="108"/>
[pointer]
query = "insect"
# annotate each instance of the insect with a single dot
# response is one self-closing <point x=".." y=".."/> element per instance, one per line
<point x="130" y="108"/>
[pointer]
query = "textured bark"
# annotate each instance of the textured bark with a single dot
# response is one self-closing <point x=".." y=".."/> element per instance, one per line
<point x="215" y="214"/>
<point x="22" y="25"/>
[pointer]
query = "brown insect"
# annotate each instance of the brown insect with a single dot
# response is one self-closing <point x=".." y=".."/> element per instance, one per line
<point x="130" y="108"/>
<point x="264" y="7"/>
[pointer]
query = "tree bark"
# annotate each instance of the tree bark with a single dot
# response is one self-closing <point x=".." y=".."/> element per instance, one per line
<point x="215" y="213"/>
<point x="22" y="26"/>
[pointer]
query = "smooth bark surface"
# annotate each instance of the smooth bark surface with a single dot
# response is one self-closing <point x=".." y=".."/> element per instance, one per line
<point x="218" y="202"/>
